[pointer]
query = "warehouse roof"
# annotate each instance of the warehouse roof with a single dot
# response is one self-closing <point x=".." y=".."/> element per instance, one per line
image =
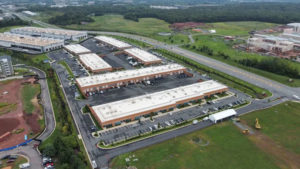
<point x="142" y="55"/>
<point x="294" y="24"/>
<point x="93" y="61"/>
<point x="50" y="31"/>
<point x="21" y="39"/>
<point x="131" y="106"/>
<point x="113" y="42"/>
<point x="127" y="74"/>
<point x="77" y="49"/>
<point x="222" y="115"/>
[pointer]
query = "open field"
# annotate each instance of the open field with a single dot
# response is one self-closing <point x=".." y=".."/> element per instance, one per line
<point x="145" y="26"/>
<point x="221" y="146"/>
<point x="280" y="123"/>
<point x="29" y="93"/>
<point x="239" y="28"/>
<point x="218" y="44"/>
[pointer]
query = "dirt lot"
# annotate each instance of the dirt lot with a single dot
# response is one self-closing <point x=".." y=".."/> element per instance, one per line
<point x="16" y="121"/>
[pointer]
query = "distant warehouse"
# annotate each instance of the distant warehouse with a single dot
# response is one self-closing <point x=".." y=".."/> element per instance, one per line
<point x="30" y="43"/>
<point x="51" y="33"/>
<point x="94" y="63"/>
<point x="112" y="42"/>
<point x="142" y="56"/>
<point x="121" y="78"/>
<point x="114" y="113"/>
<point x="76" y="49"/>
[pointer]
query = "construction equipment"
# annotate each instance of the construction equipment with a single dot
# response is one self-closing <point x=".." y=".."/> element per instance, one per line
<point x="246" y="131"/>
<point x="257" y="125"/>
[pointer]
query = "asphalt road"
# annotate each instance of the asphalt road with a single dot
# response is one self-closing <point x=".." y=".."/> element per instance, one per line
<point x="29" y="150"/>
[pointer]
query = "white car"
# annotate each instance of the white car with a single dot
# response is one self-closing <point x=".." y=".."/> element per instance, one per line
<point x="94" y="164"/>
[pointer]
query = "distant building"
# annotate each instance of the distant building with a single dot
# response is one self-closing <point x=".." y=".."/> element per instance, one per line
<point x="76" y="49"/>
<point x="29" y="43"/>
<point x="112" y="42"/>
<point x="51" y="33"/>
<point x="6" y="68"/>
<point x="271" y="43"/>
<point x="142" y="56"/>
<point x="285" y="45"/>
<point x="29" y="13"/>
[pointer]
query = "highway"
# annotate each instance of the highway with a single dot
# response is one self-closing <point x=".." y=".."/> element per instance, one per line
<point x="103" y="156"/>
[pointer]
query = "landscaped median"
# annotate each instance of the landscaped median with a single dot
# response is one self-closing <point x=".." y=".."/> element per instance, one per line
<point x="252" y="90"/>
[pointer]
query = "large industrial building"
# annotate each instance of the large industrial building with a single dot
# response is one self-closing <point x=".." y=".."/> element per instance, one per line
<point x="76" y="49"/>
<point x="30" y="43"/>
<point x="271" y="43"/>
<point x="285" y="45"/>
<point x="112" y="42"/>
<point x="51" y="33"/>
<point x="6" y="68"/>
<point x="142" y="56"/>
<point x="114" y="113"/>
<point x="94" y="63"/>
<point x="121" y="78"/>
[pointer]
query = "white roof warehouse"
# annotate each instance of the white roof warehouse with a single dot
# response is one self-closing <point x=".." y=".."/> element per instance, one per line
<point x="113" y="42"/>
<point x="94" y="63"/>
<point x="116" y="112"/>
<point x="31" y="43"/>
<point x="51" y="33"/>
<point x="113" y="79"/>
<point x="143" y="56"/>
<point x="77" y="49"/>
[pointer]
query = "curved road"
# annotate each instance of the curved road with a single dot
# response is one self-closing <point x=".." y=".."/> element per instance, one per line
<point x="50" y="123"/>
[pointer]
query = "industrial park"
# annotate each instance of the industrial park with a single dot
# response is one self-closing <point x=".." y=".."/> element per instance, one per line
<point x="78" y="98"/>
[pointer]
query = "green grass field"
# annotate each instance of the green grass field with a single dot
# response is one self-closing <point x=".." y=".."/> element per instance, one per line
<point x="145" y="26"/>
<point x="217" y="44"/>
<point x="227" y="149"/>
<point x="28" y="93"/>
<point x="6" y="108"/>
<point x="280" y="123"/>
<point x="238" y="28"/>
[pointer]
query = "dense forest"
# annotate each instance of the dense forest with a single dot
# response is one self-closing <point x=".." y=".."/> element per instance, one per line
<point x="266" y="12"/>
<point x="12" y="22"/>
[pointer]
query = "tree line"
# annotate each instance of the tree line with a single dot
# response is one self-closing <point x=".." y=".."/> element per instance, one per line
<point x="270" y="64"/>
<point x="12" y="22"/>
<point x="266" y="12"/>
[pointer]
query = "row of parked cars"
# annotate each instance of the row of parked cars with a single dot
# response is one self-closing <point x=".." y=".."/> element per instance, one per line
<point x="47" y="163"/>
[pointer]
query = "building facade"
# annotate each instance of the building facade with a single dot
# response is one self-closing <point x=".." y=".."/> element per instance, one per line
<point x="142" y="56"/>
<point x="114" y="113"/>
<point x="6" y="68"/>
<point x="31" y="43"/>
<point x="51" y="33"/>
<point x="94" y="63"/>
<point x="112" y="42"/>
<point x="122" y="78"/>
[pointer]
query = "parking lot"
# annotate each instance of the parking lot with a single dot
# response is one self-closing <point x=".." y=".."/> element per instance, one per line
<point x="165" y="120"/>
<point x="145" y="125"/>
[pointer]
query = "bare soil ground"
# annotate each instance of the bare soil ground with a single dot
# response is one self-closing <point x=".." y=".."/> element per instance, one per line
<point x="17" y="118"/>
